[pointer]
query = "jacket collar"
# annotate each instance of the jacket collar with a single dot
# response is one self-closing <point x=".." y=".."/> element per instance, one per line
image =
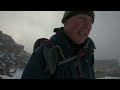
<point x="61" y="40"/>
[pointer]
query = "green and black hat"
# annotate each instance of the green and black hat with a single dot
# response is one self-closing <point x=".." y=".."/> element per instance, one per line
<point x="69" y="14"/>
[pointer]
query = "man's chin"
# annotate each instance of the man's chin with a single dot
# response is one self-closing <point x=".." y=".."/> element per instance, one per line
<point x="79" y="42"/>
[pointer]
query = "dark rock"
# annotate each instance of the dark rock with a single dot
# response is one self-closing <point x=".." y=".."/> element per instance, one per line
<point x="12" y="55"/>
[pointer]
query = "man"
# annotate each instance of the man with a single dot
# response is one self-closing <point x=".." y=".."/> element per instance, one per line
<point x="69" y="54"/>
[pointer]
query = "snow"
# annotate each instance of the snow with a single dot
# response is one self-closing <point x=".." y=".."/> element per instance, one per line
<point x="12" y="70"/>
<point x="16" y="75"/>
<point x="13" y="56"/>
<point x="108" y="77"/>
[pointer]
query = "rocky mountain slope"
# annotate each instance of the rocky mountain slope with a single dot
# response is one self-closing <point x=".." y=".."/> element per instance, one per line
<point x="12" y="56"/>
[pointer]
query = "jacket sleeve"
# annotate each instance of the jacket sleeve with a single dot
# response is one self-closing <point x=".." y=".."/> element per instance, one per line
<point x="35" y="67"/>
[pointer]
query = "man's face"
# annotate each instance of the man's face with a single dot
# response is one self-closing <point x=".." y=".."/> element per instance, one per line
<point x="78" y="27"/>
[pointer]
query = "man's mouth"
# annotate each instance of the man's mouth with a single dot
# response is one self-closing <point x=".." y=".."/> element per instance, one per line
<point x="82" y="34"/>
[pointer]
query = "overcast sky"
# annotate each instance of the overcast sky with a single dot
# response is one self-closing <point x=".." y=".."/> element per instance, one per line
<point x="26" y="27"/>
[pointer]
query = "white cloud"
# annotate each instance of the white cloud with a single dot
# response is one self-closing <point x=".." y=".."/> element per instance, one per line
<point x="27" y="26"/>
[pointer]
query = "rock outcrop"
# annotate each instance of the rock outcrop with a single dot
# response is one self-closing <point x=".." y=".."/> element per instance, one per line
<point x="12" y="55"/>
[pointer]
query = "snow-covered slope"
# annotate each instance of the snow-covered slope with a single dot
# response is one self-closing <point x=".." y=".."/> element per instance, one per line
<point x="13" y="58"/>
<point x="16" y="75"/>
<point x="108" y="77"/>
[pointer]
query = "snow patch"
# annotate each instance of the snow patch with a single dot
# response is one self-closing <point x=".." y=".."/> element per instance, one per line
<point x="108" y="77"/>
<point x="13" y="56"/>
<point x="16" y="75"/>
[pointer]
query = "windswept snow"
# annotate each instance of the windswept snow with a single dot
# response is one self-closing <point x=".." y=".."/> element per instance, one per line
<point x="108" y="77"/>
<point x="16" y="75"/>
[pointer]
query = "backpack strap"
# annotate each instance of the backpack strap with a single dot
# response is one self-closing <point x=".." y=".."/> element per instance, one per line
<point x="51" y="58"/>
<point x="38" y="43"/>
<point x="51" y="55"/>
<point x="67" y="60"/>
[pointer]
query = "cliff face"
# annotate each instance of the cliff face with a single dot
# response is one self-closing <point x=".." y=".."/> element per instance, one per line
<point x="12" y="55"/>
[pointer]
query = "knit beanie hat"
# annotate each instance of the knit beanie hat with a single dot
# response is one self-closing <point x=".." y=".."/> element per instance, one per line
<point x="69" y="14"/>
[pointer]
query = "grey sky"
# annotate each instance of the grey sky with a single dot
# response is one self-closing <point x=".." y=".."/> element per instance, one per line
<point x="26" y="27"/>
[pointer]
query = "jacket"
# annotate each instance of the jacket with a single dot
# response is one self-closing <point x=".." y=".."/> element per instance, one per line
<point x="80" y="68"/>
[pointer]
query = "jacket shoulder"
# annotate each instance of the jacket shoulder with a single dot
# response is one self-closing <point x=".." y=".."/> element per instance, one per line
<point x="91" y="43"/>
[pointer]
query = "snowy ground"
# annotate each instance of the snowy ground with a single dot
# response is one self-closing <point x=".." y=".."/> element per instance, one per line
<point x="16" y="75"/>
<point x="107" y="77"/>
<point x="19" y="72"/>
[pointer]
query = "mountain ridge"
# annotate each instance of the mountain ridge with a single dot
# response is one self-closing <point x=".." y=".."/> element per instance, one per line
<point x="12" y="55"/>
